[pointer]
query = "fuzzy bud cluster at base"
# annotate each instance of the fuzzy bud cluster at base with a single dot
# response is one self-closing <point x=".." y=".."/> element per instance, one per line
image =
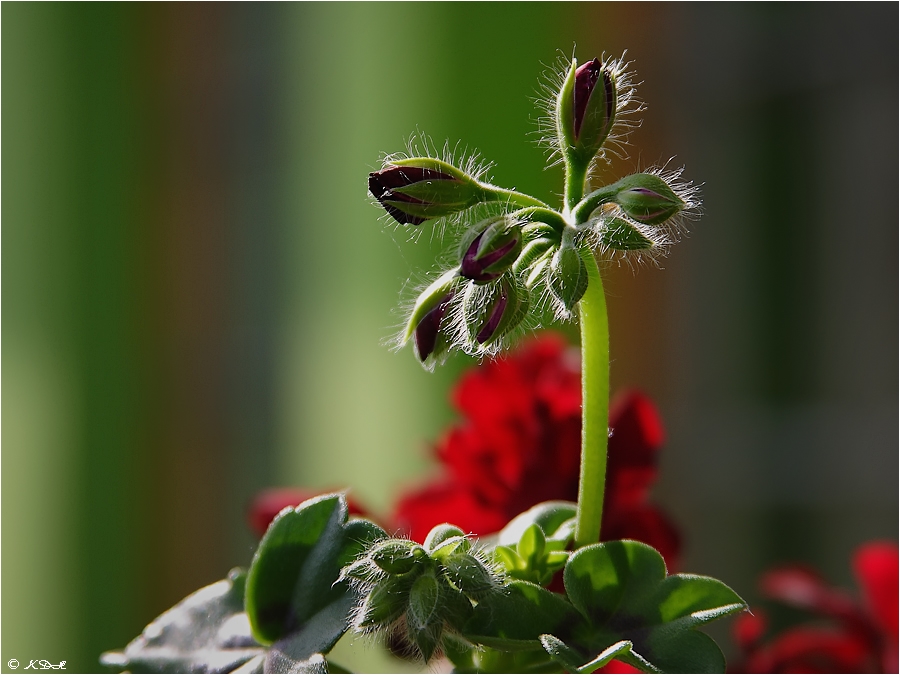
<point x="427" y="590"/>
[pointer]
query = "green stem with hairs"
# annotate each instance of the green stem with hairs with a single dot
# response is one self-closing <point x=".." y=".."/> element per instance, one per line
<point x="594" y="405"/>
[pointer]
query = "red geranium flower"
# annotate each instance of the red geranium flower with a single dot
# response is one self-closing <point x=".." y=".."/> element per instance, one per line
<point x="520" y="444"/>
<point x="860" y="637"/>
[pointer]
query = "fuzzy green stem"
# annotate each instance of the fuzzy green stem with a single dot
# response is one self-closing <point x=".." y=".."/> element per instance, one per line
<point x="498" y="194"/>
<point x="594" y="404"/>
<point x="576" y="176"/>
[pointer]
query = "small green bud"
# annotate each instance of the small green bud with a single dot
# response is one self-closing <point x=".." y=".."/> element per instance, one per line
<point x="420" y="188"/>
<point x="363" y="569"/>
<point x="384" y="604"/>
<point x="493" y="311"/>
<point x="647" y="198"/>
<point x="424" y="618"/>
<point x="451" y="546"/>
<point x="397" y="556"/>
<point x="490" y="248"/>
<point x="470" y="575"/>
<point x="441" y="533"/>
<point x="532" y="252"/>
<point x="567" y="276"/>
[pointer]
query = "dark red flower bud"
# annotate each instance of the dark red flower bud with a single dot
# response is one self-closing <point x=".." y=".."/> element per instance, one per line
<point x="427" y="336"/>
<point x="586" y="108"/>
<point x="492" y="312"/>
<point x="490" y="253"/>
<point x="418" y="189"/>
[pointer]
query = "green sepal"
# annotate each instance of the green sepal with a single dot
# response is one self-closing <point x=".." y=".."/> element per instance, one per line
<point x="567" y="276"/>
<point x="433" y="164"/>
<point x="431" y="297"/>
<point x="531" y="252"/>
<point x="517" y="615"/>
<point x="620" y="235"/>
<point x="647" y="198"/>
<point x="481" y="301"/>
<point x="565" y="110"/>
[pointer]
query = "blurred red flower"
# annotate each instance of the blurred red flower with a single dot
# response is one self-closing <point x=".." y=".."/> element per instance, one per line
<point x="861" y="636"/>
<point x="520" y="444"/>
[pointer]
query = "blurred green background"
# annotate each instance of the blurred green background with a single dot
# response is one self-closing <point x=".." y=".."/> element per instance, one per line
<point x="196" y="289"/>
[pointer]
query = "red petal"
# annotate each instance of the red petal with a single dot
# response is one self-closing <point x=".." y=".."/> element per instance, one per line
<point x="636" y="439"/>
<point x="876" y="565"/>
<point x="748" y="629"/>
<point x="803" y="588"/>
<point x="418" y="512"/>
<point x="811" y="650"/>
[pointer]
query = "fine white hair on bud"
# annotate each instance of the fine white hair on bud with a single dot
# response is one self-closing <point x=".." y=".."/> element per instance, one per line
<point x="628" y="106"/>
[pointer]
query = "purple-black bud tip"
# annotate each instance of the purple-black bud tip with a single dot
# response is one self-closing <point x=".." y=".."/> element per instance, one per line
<point x="383" y="183"/>
<point x="428" y="329"/>
<point x="586" y="77"/>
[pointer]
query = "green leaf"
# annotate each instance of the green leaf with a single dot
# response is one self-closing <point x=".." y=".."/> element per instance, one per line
<point x="302" y="651"/>
<point x="207" y="632"/>
<point x="294" y="569"/>
<point x="570" y="659"/>
<point x="621" y="587"/>
<point x="549" y="516"/>
<point x="517" y="615"/>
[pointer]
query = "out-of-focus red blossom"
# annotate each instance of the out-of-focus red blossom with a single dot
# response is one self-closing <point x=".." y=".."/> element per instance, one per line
<point x="269" y="503"/>
<point x="520" y="444"/>
<point x="861" y="637"/>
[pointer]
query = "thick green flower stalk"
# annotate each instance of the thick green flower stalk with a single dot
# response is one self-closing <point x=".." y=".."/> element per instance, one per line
<point x="517" y="255"/>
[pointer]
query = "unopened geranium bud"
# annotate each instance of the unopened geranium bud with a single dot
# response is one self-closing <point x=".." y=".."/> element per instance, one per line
<point x="470" y="575"/>
<point x="424" y="618"/>
<point x="384" y="604"/>
<point x="451" y="546"/>
<point x="426" y="322"/>
<point x="586" y="108"/>
<point x="490" y="248"/>
<point x="397" y="556"/>
<point x="647" y="198"/>
<point x="494" y="310"/>
<point x="567" y="276"/>
<point x="441" y="533"/>
<point x="420" y="188"/>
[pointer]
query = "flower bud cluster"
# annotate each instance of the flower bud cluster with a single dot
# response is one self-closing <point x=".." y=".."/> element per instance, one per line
<point x="522" y="256"/>
<point x="426" y="590"/>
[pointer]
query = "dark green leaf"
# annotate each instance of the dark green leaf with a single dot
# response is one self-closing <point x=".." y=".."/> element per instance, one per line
<point x="294" y="569"/>
<point x="207" y="632"/>
<point x="301" y="651"/>
<point x="622" y="588"/>
<point x="517" y="615"/>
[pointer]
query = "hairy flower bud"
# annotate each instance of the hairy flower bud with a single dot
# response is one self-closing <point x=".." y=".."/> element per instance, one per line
<point x="647" y="198"/>
<point x="385" y="602"/>
<point x="470" y="575"/>
<point x="424" y="618"/>
<point x="426" y="323"/>
<point x="567" y="276"/>
<point x="441" y="533"/>
<point x="586" y="108"/>
<point x="397" y="556"/>
<point x="420" y="188"/>
<point x="492" y="311"/>
<point x="490" y="248"/>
